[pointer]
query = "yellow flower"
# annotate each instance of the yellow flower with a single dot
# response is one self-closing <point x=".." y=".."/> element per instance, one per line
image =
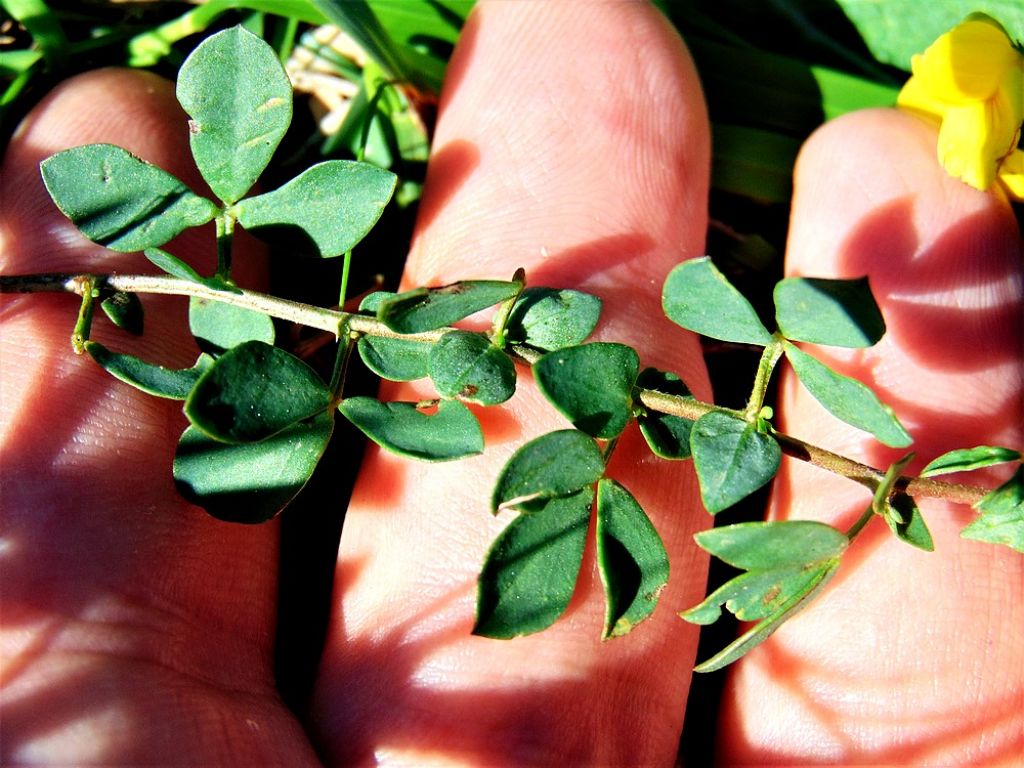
<point x="971" y="81"/>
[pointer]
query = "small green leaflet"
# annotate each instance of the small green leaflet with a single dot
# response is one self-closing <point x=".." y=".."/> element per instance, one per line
<point x="732" y="459"/>
<point x="699" y="297"/>
<point x="667" y="436"/>
<point x="899" y="511"/>
<point x="240" y="101"/>
<point x="427" y="309"/>
<point x="467" y="366"/>
<point x="591" y="385"/>
<point x="120" y="201"/>
<point x="250" y="482"/>
<point x="452" y="432"/>
<point x="631" y="558"/>
<point x="1001" y="515"/>
<point x="550" y="319"/>
<point x="172" y="383"/>
<point x="531" y="569"/>
<point x="554" y="464"/>
<point x="841" y="313"/>
<point x="218" y="327"/>
<point x="392" y="359"/>
<point x="175" y="267"/>
<point x="967" y="459"/>
<point x="253" y="391"/>
<point x="786" y="564"/>
<point x="324" y="211"/>
<point x="847" y="399"/>
<point x="124" y="310"/>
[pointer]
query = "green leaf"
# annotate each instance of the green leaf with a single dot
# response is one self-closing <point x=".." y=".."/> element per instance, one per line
<point x="427" y="309"/>
<point x="847" y="399"/>
<point x="253" y="391"/>
<point x="251" y="482"/>
<point x="452" y="432"/>
<point x="240" y="101"/>
<point x="1001" y="515"/>
<point x="699" y="297"/>
<point x="325" y="210"/>
<point x="125" y="310"/>
<point x="392" y="359"/>
<point x="591" y="385"/>
<point x="554" y="464"/>
<point x="219" y="327"/>
<point x="841" y="313"/>
<point x="175" y="267"/>
<point x="631" y="558"/>
<point x="786" y="564"/>
<point x="732" y="459"/>
<point x="667" y="436"/>
<point x="120" y="201"/>
<point x="466" y="365"/>
<point x="172" y="383"/>
<point x="967" y="459"/>
<point x="531" y="569"/>
<point x="550" y="319"/>
<point x="908" y="524"/>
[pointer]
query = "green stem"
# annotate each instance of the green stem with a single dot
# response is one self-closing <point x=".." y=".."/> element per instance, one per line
<point x="87" y="290"/>
<point x="500" y="322"/>
<point x="346" y="268"/>
<point x="769" y="357"/>
<point x="858" y="526"/>
<point x="225" y="241"/>
<point x="346" y="343"/>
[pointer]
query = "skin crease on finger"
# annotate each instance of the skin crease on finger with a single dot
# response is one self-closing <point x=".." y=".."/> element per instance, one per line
<point x="572" y="141"/>
<point x="908" y="657"/>
<point x="135" y="627"/>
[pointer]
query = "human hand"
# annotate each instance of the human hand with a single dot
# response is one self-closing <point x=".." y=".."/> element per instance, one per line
<point x="572" y="141"/>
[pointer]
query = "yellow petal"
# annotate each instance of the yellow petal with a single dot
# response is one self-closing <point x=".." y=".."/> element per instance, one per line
<point x="965" y="147"/>
<point x="914" y="97"/>
<point x="1011" y="174"/>
<point x="967" y="63"/>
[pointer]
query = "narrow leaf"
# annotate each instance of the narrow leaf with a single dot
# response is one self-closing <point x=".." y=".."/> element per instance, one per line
<point x="466" y="365"/>
<point x="841" y="313"/>
<point x="732" y="459"/>
<point x="452" y="432"/>
<point x="120" y="201"/>
<point x="240" y="101"/>
<point x="251" y="482"/>
<point x="175" y="267"/>
<point x="967" y="459"/>
<point x="218" y="327"/>
<point x="631" y="558"/>
<point x="550" y="319"/>
<point x="847" y="399"/>
<point x="172" y="383"/>
<point x="325" y="211"/>
<point x="554" y="464"/>
<point x="1001" y="515"/>
<point x="776" y="544"/>
<point x="699" y="297"/>
<point x="427" y="309"/>
<point x="253" y="391"/>
<point x="531" y="569"/>
<point x="591" y="385"/>
<point x="667" y="436"/>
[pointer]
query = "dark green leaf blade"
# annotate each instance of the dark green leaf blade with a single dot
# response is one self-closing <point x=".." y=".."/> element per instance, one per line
<point x="776" y="544"/>
<point x="531" y="569"/>
<point x="427" y="309"/>
<point x="252" y="482"/>
<point x="554" y="464"/>
<point x="667" y="436"/>
<point x="550" y="319"/>
<point x="847" y="399"/>
<point x="452" y="432"/>
<point x="967" y="459"/>
<point x="240" y="101"/>
<point x="120" y="201"/>
<point x="467" y="366"/>
<point x="699" y="297"/>
<point x="218" y="327"/>
<point x="124" y="309"/>
<point x="631" y="558"/>
<point x="171" y="383"/>
<point x="253" y="391"/>
<point x="392" y="359"/>
<point x="909" y="527"/>
<point x="1001" y="515"/>
<point x="840" y="313"/>
<point x="324" y="211"/>
<point x="732" y="459"/>
<point x="591" y="385"/>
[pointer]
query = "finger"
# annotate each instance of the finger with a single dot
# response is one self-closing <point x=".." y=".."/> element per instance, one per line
<point x="133" y="624"/>
<point x="573" y="142"/>
<point x="909" y="656"/>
